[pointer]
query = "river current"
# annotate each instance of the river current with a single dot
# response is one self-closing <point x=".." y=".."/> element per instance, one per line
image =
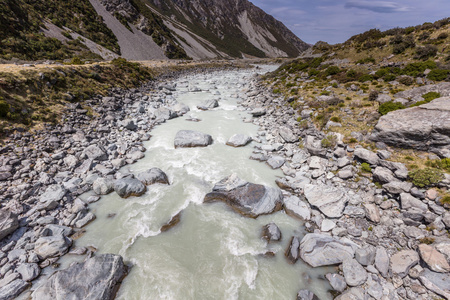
<point x="213" y="253"/>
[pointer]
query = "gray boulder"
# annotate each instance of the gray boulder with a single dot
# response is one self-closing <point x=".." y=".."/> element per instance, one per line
<point x="52" y="246"/>
<point x="292" y="252"/>
<point x="403" y="261"/>
<point x="323" y="250"/>
<point x="248" y="199"/>
<point x="295" y="207"/>
<point x="190" y="138"/>
<point x="382" y="261"/>
<point x="366" y="255"/>
<point x="13" y="289"/>
<point x="128" y="124"/>
<point x="271" y="233"/>
<point x="436" y="282"/>
<point x="8" y="223"/>
<point x="127" y="187"/>
<point x="337" y="282"/>
<point x="354" y="273"/>
<point x="367" y="156"/>
<point x="258" y="112"/>
<point x="97" y="278"/>
<point x="306" y="295"/>
<point x="276" y="162"/>
<point x="422" y="128"/>
<point x="239" y="140"/>
<point x="29" y="271"/>
<point x="103" y="186"/>
<point x="95" y="152"/>
<point x="288" y="135"/>
<point x="53" y="193"/>
<point x="208" y="104"/>
<point x="328" y="199"/>
<point x="152" y="176"/>
<point x="180" y="108"/>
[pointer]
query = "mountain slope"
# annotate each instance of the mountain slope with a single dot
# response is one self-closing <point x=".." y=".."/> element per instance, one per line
<point x="141" y="30"/>
<point x="235" y="27"/>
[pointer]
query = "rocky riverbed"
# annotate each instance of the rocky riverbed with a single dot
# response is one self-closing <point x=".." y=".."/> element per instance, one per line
<point x="378" y="236"/>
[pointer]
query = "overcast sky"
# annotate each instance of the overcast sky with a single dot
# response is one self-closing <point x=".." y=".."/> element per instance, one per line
<point x="334" y="21"/>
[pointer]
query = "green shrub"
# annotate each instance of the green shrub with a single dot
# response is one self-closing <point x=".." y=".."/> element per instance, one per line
<point x="365" y="167"/>
<point x="443" y="164"/>
<point x="426" y="52"/>
<point x="276" y="91"/>
<point x="313" y="72"/>
<point x="381" y="72"/>
<point x="4" y="108"/>
<point x="76" y="61"/>
<point x="373" y="95"/>
<point x="366" y="60"/>
<point x="442" y="36"/>
<point x="389" y="77"/>
<point x="336" y="119"/>
<point x="329" y="141"/>
<point x="365" y="77"/>
<point x="325" y="93"/>
<point x="426" y="177"/>
<point x="438" y="74"/>
<point x="389" y="106"/>
<point x="333" y="70"/>
<point x="431" y="96"/>
<point x="351" y="73"/>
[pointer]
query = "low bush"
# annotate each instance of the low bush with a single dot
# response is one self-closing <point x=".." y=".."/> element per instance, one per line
<point x="365" y="167"/>
<point x="373" y="95"/>
<point x="329" y="141"/>
<point x="389" y="77"/>
<point x="438" y="74"/>
<point x="431" y="96"/>
<point x="426" y="52"/>
<point x="389" y="106"/>
<point x="406" y="80"/>
<point x="426" y="177"/>
<point x="443" y="164"/>
<point x="365" y="77"/>
<point x="4" y="108"/>
<point x="333" y="70"/>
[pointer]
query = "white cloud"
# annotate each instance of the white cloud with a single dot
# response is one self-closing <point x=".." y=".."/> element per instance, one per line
<point x="377" y="6"/>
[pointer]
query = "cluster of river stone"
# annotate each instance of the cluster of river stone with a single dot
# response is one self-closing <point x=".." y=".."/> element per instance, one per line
<point x="373" y="234"/>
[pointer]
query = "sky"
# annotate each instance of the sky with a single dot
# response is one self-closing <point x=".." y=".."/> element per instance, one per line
<point x="335" y="21"/>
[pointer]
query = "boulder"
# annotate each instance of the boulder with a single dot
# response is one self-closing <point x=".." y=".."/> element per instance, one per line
<point x="8" y="223"/>
<point x="402" y="261"/>
<point x="409" y="201"/>
<point x="367" y="156"/>
<point x="276" y="162"/>
<point x="52" y="246"/>
<point x="103" y="186"/>
<point x="95" y="152"/>
<point x="354" y="273"/>
<point x="306" y="295"/>
<point x="208" y="104"/>
<point x="435" y="260"/>
<point x="422" y="128"/>
<point x="337" y="282"/>
<point x="189" y="138"/>
<point x="96" y="278"/>
<point x="271" y="233"/>
<point x="28" y="272"/>
<point x="287" y="135"/>
<point x="436" y="282"/>
<point x="323" y="250"/>
<point x="53" y="193"/>
<point x="248" y="199"/>
<point x="292" y="252"/>
<point x="382" y="261"/>
<point x="366" y="255"/>
<point x="239" y="140"/>
<point x="383" y="175"/>
<point x="398" y="187"/>
<point x="258" y="112"/>
<point x="13" y="289"/>
<point x="328" y="199"/>
<point x="152" y="176"/>
<point x="127" y="187"/>
<point x="295" y="207"/>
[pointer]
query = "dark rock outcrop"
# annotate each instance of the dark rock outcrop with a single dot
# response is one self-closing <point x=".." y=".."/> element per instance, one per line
<point x="248" y="199"/>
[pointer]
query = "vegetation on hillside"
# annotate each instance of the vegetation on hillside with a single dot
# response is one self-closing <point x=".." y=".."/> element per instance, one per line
<point x="21" y="22"/>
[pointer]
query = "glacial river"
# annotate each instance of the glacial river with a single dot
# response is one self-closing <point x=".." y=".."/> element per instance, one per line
<point x="213" y="253"/>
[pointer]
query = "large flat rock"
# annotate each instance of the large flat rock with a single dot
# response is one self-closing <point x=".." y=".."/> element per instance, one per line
<point x="248" y="199"/>
<point x="323" y="250"/>
<point x="422" y="127"/>
<point x="8" y="223"/>
<point x="328" y="199"/>
<point x="97" y="278"/>
<point x="190" y="138"/>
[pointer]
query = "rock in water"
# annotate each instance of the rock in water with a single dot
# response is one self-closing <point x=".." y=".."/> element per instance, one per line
<point x="13" y="289"/>
<point x="97" y="278"/>
<point x="248" y="199"/>
<point x="239" y="140"/>
<point x="306" y="295"/>
<point x="8" y="223"/>
<point x="422" y="127"/>
<point x="208" y="104"/>
<point x="271" y="233"/>
<point x="152" y="176"/>
<point x="323" y="250"/>
<point x="292" y="252"/>
<point x="190" y="138"/>
<point x="127" y="187"/>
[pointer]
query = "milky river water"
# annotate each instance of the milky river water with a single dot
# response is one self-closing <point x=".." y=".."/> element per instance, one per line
<point x="213" y="253"/>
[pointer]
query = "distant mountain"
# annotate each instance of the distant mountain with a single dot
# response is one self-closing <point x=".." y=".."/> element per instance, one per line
<point x="141" y="30"/>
